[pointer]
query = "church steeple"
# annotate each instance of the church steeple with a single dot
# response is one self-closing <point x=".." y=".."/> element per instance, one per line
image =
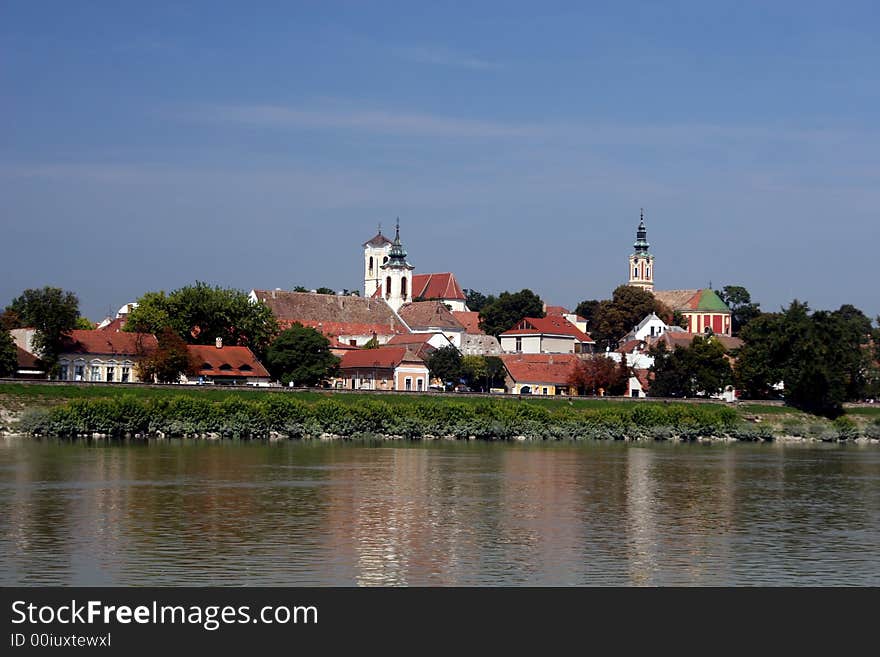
<point x="397" y="255"/>
<point x="641" y="263"/>
<point x="641" y="245"/>
<point x="397" y="284"/>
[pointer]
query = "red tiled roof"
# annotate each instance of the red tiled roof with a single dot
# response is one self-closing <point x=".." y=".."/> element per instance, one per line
<point x="437" y="286"/>
<point x="115" y="325"/>
<point x="470" y="319"/>
<point x="429" y="315"/>
<point x="335" y="329"/>
<point x="338" y="314"/>
<point x="540" y="368"/>
<point x="644" y="377"/>
<point x="108" y="343"/>
<point x="383" y="357"/>
<point x="630" y="346"/>
<point x="556" y="310"/>
<point x="551" y="325"/>
<point x="26" y="360"/>
<point x="378" y="240"/>
<point x="225" y="361"/>
<point x="683" y="339"/>
<point x="412" y="338"/>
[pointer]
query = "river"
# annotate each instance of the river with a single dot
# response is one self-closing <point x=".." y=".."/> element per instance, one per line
<point x="437" y="513"/>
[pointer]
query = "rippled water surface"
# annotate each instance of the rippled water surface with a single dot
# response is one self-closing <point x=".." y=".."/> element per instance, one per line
<point x="294" y="513"/>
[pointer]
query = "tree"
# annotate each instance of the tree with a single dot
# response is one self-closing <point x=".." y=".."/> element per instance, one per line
<point x="53" y="312"/>
<point x="85" y="324"/>
<point x="168" y="361"/>
<point x="509" y="308"/>
<point x="325" y="290"/>
<point x="475" y="371"/>
<point x="9" y="320"/>
<point x="200" y="314"/>
<point x="587" y="310"/>
<point x="445" y="364"/>
<point x="700" y="369"/>
<point x="614" y="318"/>
<point x="742" y="310"/>
<point x="599" y="373"/>
<point x="476" y="301"/>
<point x="8" y="354"/>
<point x="301" y="355"/>
<point x="822" y="359"/>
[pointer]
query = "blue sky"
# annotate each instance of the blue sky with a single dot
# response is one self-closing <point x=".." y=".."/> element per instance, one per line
<point x="145" y="146"/>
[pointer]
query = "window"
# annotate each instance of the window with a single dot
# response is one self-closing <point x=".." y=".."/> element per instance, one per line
<point x="635" y="272"/>
<point x="519" y="344"/>
<point x="79" y="372"/>
<point x="420" y="384"/>
<point x="110" y="372"/>
<point x="96" y="373"/>
<point x="353" y="343"/>
<point x="387" y="287"/>
<point x="371" y="265"/>
<point x="62" y="374"/>
<point x="408" y="383"/>
<point x="648" y="272"/>
<point x="126" y="374"/>
<point x="543" y="391"/>
<point x="403" y="289"/>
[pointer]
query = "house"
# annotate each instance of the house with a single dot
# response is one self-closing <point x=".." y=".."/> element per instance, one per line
<point x="673" y="339"/>
<point x="546" y="335"/>
<point x="539" y="374"/>
<point x="702" y="309"/>
<point x="440" y="287"/>
<point x="561" y="311"/>
<point x="101" y="355"/>
<point x="651" y="326"/>
<point x="639" y="383"/>
<point x="225" y="365"/>
<point x="385" y="368"/>
<point x="351" y="320"/>
<point x="29" y="364"/>
<point x="475" y="342"/>
<point x="421" y="344"/>
<point x="432" y="317"/>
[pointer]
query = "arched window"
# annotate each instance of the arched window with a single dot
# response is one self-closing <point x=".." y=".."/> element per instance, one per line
<point x="636" y="272"/>
<point x="387" y="287"/>
<point x="371" y="264"/>
<point x="648" y="272"/>
<point x="403" y="288"/>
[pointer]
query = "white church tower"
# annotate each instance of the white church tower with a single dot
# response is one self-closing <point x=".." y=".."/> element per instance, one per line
<point x="641" y="263"/>
<point x="375" y="255"/>
<point x="396" y="274"/>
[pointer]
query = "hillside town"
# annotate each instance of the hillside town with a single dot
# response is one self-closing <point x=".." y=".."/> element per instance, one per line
<point x="385" y="336"/>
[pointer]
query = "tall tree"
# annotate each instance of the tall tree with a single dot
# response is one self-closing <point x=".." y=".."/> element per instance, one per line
<point x="200" y="314"/>
<point x="476" y="301"/>
<point x="166" y="363"/>
<point x="700" y="369"/>
<point x="742" y="310"/>
<point x="821" y="359"/>
<point x="598" y="374"/>
<point x="445" y="364"/>
<point x="8" y="354"/>
<point x="301" y="355"/>
<point x="587" y="310"/>
<point x="53" y="312"/>
<point x="614" y="318"/>
<point x="509" y="308"/>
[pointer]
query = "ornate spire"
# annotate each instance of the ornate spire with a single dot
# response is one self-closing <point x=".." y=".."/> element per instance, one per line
<point x="641" y="245"/>
<point x="397" y="255"/>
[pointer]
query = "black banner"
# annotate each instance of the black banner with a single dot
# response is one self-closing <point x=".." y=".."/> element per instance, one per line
<point x="234" y="620"/>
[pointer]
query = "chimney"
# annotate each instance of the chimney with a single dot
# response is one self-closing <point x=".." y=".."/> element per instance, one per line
<point x="219" y="343"/>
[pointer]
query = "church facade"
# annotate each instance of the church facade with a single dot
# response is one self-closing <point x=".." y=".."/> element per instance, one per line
<point x="388" y="275"/>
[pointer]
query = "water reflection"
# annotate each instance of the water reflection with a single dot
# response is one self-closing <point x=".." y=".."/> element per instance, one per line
<point x="437" y="514"/>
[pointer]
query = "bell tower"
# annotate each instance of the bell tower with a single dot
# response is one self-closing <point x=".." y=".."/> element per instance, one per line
<point x="641" y="263"/>
<point x="376" y="253"/>
<point x="396" y="274"/>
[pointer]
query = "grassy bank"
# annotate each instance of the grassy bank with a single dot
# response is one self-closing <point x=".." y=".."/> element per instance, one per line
<point x="117" y="411"/>
<point x="294" y="417"/>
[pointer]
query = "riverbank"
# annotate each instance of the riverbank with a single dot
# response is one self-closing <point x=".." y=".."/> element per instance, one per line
<point x="108" y="412"/>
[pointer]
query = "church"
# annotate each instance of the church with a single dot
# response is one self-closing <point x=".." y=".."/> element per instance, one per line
<point x="703" y="310"/>
<point x="389" y="275"/>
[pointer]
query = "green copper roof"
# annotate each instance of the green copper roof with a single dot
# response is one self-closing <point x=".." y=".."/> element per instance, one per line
<point x="709" y="300"/>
